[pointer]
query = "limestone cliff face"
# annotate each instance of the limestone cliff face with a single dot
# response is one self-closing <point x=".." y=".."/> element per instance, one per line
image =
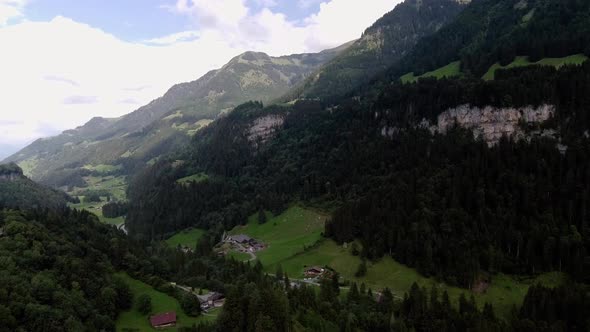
<point x="491" y="123"/>
<point x="264" y="127"/>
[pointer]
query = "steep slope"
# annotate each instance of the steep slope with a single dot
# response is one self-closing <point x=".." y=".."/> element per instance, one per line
<point x="493" y="32"/>
<point x="383" y="44"/>
<point x="17" y="191"/>
<point x="136" y="138"/>
<point x="459" y="178"/>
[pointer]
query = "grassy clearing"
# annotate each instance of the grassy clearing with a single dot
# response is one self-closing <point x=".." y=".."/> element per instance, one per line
<point x="161" y="303"/>
<point x="103" y="168"/>
<point x="521" y="61"/>
<point x="96" y="208"/>
<point x="200" y="177"/>
<point x="239" y="256"/>
<point x="285" y="235"/>
<point x="504" y="292"/>
<point x="453" y="69"/>
<point x="116" y="186"/>
<point x="186" y="238"/>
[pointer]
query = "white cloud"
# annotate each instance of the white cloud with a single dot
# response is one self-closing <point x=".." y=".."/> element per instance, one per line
<point x="57" y="75"/>
<point x="308" y="3"/>
<point x="266" y="3"/>
<point x="337" y="22"/>
<point x="10" y="9"/>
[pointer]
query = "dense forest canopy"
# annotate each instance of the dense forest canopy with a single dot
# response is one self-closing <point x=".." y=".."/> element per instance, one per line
<point x="490" y="31"/>
<point x="17" y="191"/>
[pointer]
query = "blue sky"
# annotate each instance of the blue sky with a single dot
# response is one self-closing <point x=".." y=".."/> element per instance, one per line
<point x="66" y="61"/>
<point x="137" y="20"/>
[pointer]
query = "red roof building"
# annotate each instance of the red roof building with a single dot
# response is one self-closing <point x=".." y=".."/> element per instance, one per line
<point x="164" y="320"/>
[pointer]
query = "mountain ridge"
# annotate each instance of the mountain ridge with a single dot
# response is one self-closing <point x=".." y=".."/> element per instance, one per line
<point x="142" y="135"/>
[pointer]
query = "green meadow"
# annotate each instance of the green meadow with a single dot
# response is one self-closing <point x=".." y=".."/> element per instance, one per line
<point x="504" y="293"/>
<point x="133" y="320"/>
<point x="453" y="69"/>
<point x="200" y="177"/>
<point x="96" y="208"/>
<point x="186" y="238"/>
<point x="294" y="241"/>
<point x="285" y="235"/>
<point x="521" y="61"/>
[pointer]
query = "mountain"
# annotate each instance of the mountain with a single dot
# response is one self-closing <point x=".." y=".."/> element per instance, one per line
<point x="381" y="45"/>
<point x="492" y="32"/>
<point x="464" y="180"/>
<point x="17" y="191"/>
<point x="132" y="140"/>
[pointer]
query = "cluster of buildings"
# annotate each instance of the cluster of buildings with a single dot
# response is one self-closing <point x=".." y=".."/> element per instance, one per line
<point x="169" y="319"/>
<point x="164" y="320"/>
<point x="314" y="271"/>
<point x="211" y="301"/>
<point x="245" y="243"/>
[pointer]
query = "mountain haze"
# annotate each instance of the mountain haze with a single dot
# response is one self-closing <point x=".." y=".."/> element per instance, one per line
<point x="154" y="129"/>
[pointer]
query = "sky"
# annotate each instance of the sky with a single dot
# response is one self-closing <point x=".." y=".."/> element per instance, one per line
<point x="66" y="61"/>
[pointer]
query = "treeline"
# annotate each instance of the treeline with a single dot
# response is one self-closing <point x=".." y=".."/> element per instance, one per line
<point x="57" y="271"/>
<point x="518" y="207"/>
<point x="259" y="303"/>
<point x="114" y="209"/>
<point x="490" y="31"/>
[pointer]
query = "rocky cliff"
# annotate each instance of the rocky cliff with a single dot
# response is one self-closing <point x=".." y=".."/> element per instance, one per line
<point x="492" y="123"/>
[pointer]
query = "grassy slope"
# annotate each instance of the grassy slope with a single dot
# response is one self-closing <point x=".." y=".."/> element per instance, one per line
<point x="161" y="303"/>
<point x="96" y="208"/>
<point x="286" y="234"/>
<point x="239" y="256"/>
<point x="188" y="238"/>
<point x="451" y="70"/>
<point x="454" y="68"/>
<point x="504" y="293"/>
<point x="193" y="178"/>
<point x="521" y="61"/>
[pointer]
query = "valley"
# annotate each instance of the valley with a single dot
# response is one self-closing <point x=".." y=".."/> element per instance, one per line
<point x="430" y="175"/>
<point x="294" y="243"/>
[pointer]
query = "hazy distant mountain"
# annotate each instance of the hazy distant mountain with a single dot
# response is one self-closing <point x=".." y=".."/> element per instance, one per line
<point x="154" y="129"/>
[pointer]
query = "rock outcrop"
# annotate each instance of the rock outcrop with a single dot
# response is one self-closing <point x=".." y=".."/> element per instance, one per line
<point x="263" y="128"/>
<point x="492" y="123"/>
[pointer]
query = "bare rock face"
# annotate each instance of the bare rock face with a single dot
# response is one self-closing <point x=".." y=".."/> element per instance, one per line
<point x="491" y="123"/>
<point x="263" y="128"/>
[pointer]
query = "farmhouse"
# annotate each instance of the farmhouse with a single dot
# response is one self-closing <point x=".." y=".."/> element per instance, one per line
<point x="314" y="271"/>
<point x="240" y="238"/>
<point x="211" y="300"/>
<point x="163" y="320"/>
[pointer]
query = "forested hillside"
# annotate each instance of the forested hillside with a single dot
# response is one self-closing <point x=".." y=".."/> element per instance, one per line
<point x="408" y="180"/>
<point x="17" y="191"/>
<point x="490" y="31"/>
<point x="133" y="141"/>
<point x="383" y="44"/>
<point x="463" y="181"/>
